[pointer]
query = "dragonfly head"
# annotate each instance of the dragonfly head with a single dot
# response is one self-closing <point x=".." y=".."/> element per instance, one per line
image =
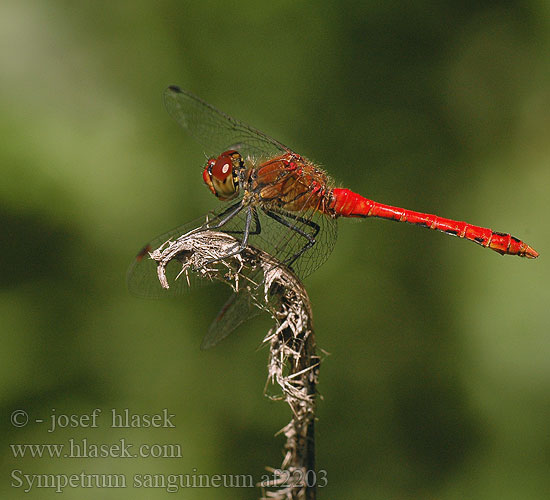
<point x="221" y="174"/>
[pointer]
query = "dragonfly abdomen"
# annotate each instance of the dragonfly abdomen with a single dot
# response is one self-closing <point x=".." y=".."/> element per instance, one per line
<point x="346" y="203"/>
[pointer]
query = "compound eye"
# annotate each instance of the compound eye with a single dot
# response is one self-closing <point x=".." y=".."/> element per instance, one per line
<point x="222" y="176"/>
<point x="222" y="168"/>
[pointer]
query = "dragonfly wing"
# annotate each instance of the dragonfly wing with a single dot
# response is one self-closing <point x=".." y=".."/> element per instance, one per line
<point x="238" y="309"/>
<point x="142" y="279"/>
<point x="215" y="130"/>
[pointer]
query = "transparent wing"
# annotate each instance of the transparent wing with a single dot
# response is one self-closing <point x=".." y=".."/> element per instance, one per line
<point x="238" y="309"/>
<point x="281" y="241"/>
<point x="142" y="279"/>
<point x="216" y="131"/>
<point x="284" y="244"/>
<point x="271" y="236"/>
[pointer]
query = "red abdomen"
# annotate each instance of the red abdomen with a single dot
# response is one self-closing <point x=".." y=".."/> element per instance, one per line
<point x="346" y="203"/>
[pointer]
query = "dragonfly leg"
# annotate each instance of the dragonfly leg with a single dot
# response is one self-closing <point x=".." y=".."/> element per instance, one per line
<point x="256" y="230"/>
<point x="310" y="237"/>
<point x="225" y="216"/>
<point x="239" y="247"/>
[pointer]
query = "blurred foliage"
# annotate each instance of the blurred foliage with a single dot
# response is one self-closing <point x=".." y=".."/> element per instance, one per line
<point x="438" y="381"/>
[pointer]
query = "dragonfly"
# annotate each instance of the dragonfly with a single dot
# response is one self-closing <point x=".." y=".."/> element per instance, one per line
<point x="278" y="201"/>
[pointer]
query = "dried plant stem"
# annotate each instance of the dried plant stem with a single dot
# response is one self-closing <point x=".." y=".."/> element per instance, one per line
<point x="293" y="364"/>
<point x="294" y="367"/>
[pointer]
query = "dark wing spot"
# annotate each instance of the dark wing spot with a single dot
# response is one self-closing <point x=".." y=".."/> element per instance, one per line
<point x="175" y="88"/>
<point x="143" y="252"/>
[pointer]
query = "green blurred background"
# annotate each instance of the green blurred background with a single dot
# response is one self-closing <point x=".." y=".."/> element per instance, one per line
<point x="438" y="382"/>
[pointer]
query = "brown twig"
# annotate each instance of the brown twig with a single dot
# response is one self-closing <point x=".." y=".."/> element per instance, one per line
<point x="294" y="367"/>
<point x="293" y="364"/>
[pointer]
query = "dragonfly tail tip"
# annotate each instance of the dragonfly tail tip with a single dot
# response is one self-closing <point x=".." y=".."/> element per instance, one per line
<point x="531" y="253"/>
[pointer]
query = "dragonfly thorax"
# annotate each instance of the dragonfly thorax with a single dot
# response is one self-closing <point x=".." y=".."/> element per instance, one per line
<point x="221" y="174"/>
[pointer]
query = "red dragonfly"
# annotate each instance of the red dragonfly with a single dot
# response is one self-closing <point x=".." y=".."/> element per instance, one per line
<point x="280" y="202"/>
